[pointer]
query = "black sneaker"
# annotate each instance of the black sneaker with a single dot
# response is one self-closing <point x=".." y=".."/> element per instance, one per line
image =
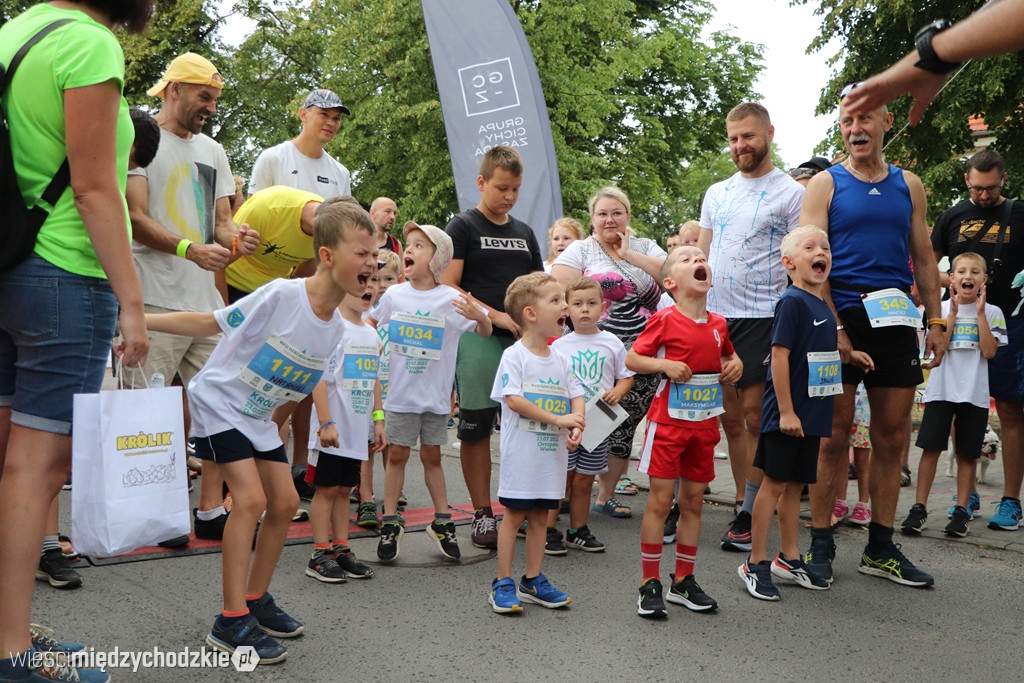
<point x="54" y="567"/>
<point x="688" y="593"/>
<point x="583" y="540"/>
<point x="210" y="529"/>
<point x="737" y="538"/>
<point x="387" y="546"/>
<point x="915" y="520"/>
<point x="757" y="578"/>
<point x="444" y="537"/>
<point x="671" y="523"/>
<point x="521" y="531"/>
<point x="324" y="567"/>
<point x="959" y="522"/>
<point x="245" y="632"/>
<point x="366" y="515"/>
<point x="818" y="560"/>
<point x="347" y="560"/>
<point x="651" y="604"/>
<point x="273" y="619"/>
<point x="554" y="544"/>
<point x="891" y="564"/>
<point x="305" y="490"/>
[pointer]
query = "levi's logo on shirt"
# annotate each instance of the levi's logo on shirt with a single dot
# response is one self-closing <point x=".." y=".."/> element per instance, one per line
<point x="504" y="243"/>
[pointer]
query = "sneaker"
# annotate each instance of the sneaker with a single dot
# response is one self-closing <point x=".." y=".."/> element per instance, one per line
<point x="539" y="590"/>
<point x="54" y="567"/>
<point x="210" y="529"/>
<point x="582" y="539"/>
<point x="444" y="537"/>
<point x="521" y="531"/>
<point x="1007" y="515"/>
<point x="43" y="640"/>
<point x="861" y="515"/>
<point x="353" y="494"/>
<point x="347" y="560"/>
<point x="915" y="520"/>
<point x="503" y="598"/>
<point x="273" y="619"/>
<point x="818" y="560"/>
<point x="737" y="538"/>
<point x="973" y="505"/>
<point x="304" y="489"/>
<point x="387" y="546"/>
<point x="796" y="571"/>
<point x="959" y="522"/>
<point x="891" y="564"/>
<point x="757" y="578"/>
<point x="58" y="669"/>
<point x="324" y="567"/>
<point x="245" y="632"/>
<point x="554" y="544"/>
<point x="688" y="593"/>
<point x="651" y="604"/>
<point x="366" y="515"/>
<point x="840" y="511"/>
<point x="671" y="524"/>
<point x="485" y="529"/>
<point x="403" y="501"/>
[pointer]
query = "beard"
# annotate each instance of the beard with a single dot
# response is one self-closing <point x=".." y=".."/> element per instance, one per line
<point x="749" y="163"/>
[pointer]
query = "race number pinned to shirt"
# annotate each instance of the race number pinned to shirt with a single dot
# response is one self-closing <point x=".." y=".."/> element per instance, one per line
<point x="553" y="398"/>
<point x="279" y="372"/>
<point x="416" y="336"/>
<point x="824" y="374"/>
<point x="695" y="400"/>
<point x="359" y="372"/>
<point x="888" y="307"/>
<point x="965" y="334"/>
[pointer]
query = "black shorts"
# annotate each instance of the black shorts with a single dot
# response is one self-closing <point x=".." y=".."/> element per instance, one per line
<point x="752" y="339"/>
<point x="475" y="425"/>
<point x="529" y="503"/>
<point x="788" y="458"/>
<point x="334" y="470"/>
<point x="232" y="446"/>
<point x="939" y="416"/>
<point x="893" y="349"/>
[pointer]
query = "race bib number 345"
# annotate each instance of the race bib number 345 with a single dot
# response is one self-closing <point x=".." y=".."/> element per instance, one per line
<point x="891" y="306"/>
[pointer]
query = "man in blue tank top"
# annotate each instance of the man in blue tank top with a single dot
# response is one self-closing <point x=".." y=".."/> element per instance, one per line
<point x="874" y="214"/>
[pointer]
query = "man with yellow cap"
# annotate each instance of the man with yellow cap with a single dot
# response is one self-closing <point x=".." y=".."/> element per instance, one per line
<point x="183" y="232"/>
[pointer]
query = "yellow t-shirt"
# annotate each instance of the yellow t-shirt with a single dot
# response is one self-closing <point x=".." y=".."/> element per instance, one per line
<point x="275" y="214"/>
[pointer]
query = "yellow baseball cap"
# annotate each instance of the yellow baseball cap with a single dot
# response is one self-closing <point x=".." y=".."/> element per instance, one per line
<point x="188" y="68"/>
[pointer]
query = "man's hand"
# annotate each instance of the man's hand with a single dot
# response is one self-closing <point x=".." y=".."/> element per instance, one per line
<point x="211" y="257"/>
<point x="247" y="241"/>
<point x="505" y="321"/>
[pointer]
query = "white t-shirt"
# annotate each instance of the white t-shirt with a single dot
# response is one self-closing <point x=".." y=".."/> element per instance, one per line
<point x="423" y="342"/>
<point x="963" y="375"/>
<point x="351" y="408"/>
<point x="274" y="350"/>
<point x="185" y="180"/>
<point x="284" y="164"/>
<point x="598" y="360"/>
<point x="748" y="217"/>
<point x="533" y="463"/>
<point x="666" y="301"/>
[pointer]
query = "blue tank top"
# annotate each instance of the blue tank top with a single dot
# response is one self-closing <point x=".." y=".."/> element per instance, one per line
<point x="869" y="231"/>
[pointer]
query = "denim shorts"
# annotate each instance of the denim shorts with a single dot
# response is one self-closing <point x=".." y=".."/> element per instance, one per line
<point x="55" y="334"/>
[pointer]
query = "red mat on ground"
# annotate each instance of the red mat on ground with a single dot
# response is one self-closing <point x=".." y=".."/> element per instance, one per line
<point x="416" y="519"/>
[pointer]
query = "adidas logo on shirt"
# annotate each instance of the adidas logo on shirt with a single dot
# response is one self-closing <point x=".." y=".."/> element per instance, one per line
<point x="874" y="191"/>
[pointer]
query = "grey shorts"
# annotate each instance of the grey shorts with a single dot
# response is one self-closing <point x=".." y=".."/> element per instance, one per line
<point x="403" y="429"/>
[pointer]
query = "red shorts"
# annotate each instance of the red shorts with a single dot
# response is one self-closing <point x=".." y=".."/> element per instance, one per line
<point x="676" y="449"/>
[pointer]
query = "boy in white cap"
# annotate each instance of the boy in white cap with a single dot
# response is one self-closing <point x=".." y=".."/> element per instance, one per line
<point x="424" y="320"/>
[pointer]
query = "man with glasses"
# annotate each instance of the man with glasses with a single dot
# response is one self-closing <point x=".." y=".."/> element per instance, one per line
<point x="810" y="168"/>
<point x="984" y="224"/>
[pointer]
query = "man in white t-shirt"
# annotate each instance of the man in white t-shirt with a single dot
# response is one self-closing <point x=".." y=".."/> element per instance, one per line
<point x="743" y="220"/>
<point x="180" y="208"/>
<point x="302" y="162"/>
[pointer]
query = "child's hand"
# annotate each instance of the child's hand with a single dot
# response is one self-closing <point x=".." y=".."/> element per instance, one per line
<point x="613" y="396"/>
<point x="789" y="424"/>
<point x="468" y="307"/>
<point x="732" y="370"/>
<point x="677" y="370"/>
<point x="380" y="439"/>
<point x="953" y="305"/>
<point x="571" y="421"/>
<point x="862" y="360"/>
<point x="979" y="305"/>
<point x="574" y="438"/>
<point x="329" y="436"/>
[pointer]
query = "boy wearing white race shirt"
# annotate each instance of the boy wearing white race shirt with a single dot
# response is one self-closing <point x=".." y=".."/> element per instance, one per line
<point x="344" y="401"/>
<point x="274" y="350"/>
<point x="425" y="320"/>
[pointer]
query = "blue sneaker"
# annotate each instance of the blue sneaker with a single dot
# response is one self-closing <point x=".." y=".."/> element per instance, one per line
<point x="273" y="619"/>
<point x="538" y="590"/>
<point x="42" y="639"/>
<point x="1007" y="515"/>
<point x="818" y="560"/>
<point x="973" y="505"/>
<point x="503" y="597"/>
<point x="247" y="631"/>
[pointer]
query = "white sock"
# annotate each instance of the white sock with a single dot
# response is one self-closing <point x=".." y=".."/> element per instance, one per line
<point x="207" y="515"/>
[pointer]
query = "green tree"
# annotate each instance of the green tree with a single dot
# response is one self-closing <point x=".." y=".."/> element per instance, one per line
<point x="874" y="35"/>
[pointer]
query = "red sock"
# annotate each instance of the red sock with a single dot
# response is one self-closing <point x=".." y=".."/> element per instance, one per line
<point x="686" y="556"/>
<point x="650" y="559"/>
<point x="249" y="597"/>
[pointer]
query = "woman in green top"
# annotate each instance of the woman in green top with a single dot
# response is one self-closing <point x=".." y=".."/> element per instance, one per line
<point x="60" y="305"/>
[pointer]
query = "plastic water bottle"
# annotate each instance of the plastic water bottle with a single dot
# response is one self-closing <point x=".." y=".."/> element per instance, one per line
<point x="156" y="381"/>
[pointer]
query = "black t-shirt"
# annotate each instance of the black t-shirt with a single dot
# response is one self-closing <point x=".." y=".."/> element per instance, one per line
<point x="493" y="255"/>
<point x="956" y="228"/>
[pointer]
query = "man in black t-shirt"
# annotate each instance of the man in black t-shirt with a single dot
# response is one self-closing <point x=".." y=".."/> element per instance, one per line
<point x="986" y="224"/>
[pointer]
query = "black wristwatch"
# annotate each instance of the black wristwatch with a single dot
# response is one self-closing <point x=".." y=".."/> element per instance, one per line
<point x="927" y="59"/>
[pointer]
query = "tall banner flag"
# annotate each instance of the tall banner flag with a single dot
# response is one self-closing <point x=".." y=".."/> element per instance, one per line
<point x="491" y="95"/>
